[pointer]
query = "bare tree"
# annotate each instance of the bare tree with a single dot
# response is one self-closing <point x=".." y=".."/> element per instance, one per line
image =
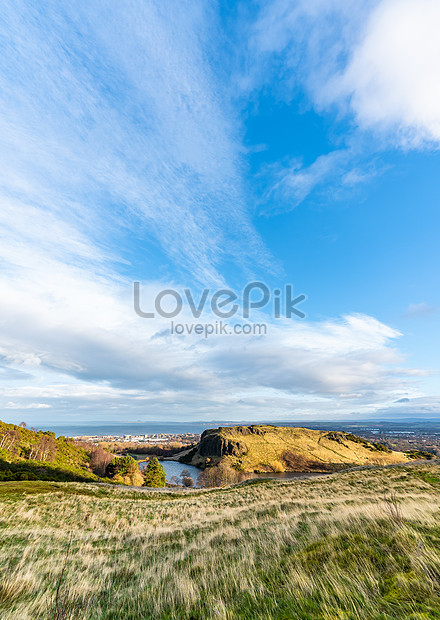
<point x="219" y="476"/>
<point x="186" y="478"/>
<point x="9" y="439"/>
<point x="99" y="459"/>
<point x="43" y="450"/>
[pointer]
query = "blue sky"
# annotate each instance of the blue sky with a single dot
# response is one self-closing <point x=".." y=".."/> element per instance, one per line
<point x="205" y="145"/>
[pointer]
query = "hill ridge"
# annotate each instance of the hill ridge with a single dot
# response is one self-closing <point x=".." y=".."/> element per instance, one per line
<point x="265" y="447"/>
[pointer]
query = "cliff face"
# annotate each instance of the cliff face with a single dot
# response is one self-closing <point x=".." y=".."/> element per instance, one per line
<point x="216" y="445"/>
<point x="275" y="448"/>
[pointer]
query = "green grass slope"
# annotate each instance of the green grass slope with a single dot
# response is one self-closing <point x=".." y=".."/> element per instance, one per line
<point x="30" y="455"/>
<point x="358" y="545"/>
<point x="275" y="448"/>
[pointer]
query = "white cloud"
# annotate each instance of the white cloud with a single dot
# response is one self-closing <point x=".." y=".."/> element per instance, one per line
<point x="294" y="183"/>
<point x="393" y="75"/>
<point x="12" y="405"/>
<point x="88" y="351"/>
<point x="376" y="63"/>
<point x="422" y="407"/>
<point x="337" y="173"/>
<point x="378" y="58"/>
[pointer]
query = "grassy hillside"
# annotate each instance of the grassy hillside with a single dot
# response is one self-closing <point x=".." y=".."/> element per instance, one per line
<point x="274" y="448"/>
<point x="357" y="545"/>
<point x="30" y="455"/>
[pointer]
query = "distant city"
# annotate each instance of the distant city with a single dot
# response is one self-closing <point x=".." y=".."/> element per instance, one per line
<point x="155" y="438"/>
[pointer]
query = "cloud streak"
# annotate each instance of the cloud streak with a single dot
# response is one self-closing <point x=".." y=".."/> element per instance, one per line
<point x="112" y="118"/>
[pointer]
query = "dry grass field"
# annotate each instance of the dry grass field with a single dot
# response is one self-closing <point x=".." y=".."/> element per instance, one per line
<point x="363" y="544"/>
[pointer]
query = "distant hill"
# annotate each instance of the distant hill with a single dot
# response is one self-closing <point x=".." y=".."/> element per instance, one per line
<point x="38" y="455"/>
<point x="266" y="448"/>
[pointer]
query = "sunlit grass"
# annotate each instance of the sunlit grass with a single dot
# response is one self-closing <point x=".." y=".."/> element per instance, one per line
<point x="323" y="548"/>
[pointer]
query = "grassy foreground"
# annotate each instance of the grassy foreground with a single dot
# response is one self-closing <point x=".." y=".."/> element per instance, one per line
<point x="355" y="545"/>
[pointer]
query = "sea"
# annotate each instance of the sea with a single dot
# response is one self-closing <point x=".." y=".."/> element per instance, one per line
<point x="416" y="426"/>
<point x="131" y="428"/>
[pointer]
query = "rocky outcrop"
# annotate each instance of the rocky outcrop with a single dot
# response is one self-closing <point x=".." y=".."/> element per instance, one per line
<point x="254" y="429"/>
<point x="215" y="445"/>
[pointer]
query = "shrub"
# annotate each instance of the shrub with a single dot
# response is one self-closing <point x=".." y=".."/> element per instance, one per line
<point x="277" y="467"/>
<point x="381" y="447"/>
<point x="419" y="454"/>
<point x="135" y="479"/>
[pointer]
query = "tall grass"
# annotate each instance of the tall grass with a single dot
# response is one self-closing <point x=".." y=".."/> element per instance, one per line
<point x="325" y="548"/>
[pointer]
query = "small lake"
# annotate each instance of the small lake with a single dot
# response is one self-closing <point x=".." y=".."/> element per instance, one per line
<point x="173" y="468"/>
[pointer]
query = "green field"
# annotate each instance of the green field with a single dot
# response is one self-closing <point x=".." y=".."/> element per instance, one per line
<point x="357" y="545"/>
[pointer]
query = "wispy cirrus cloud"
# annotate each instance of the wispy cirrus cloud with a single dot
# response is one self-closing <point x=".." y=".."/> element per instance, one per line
<point x="119" y="160"/>
<point x="113" y="118"/>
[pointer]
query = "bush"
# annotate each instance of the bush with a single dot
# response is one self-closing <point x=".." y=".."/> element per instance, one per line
<point x="135" y="479"/>
<point x="37" y="470"/>
<point x="381" y="447"/>
<point x="419" y="454"/>
<point x="277" y="467"/>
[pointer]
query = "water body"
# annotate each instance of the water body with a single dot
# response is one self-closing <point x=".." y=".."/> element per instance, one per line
<point x="135" y="428"/>
<point x="173" y="468"/>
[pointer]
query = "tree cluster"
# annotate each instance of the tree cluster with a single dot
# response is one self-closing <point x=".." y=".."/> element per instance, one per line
<point x="125" y="469"/>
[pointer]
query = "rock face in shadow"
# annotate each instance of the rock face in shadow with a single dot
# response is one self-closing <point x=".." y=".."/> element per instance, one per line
<point x="215" y="445"/>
